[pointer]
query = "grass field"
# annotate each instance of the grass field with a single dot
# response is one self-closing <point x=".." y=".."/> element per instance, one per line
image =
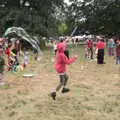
<point x="94" y="95"/>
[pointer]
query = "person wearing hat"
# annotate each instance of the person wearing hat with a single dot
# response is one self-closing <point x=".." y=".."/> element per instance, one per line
<point x="100" y="46"/>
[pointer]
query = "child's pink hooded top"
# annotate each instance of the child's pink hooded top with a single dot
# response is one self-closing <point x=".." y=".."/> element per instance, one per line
<point x="61" y="59"/>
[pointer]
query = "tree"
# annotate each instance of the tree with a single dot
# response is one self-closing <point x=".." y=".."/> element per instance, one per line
<point x="35" y="16"/>
<point x="101" y="16"/>
<point x="62" y="28"/>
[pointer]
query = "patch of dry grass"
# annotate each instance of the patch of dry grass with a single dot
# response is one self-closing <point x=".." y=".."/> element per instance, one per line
<point x="94" y="95"/>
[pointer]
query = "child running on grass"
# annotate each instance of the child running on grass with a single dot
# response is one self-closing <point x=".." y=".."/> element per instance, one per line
<point x="2" y="63"/>
<point x="60" y="66"/>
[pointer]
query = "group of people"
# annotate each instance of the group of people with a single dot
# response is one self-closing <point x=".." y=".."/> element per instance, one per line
<point x="114" y="49"/>
<point x="97" y="49"/>
<point x="62" y="59"/>
<point x="11" y="53"/>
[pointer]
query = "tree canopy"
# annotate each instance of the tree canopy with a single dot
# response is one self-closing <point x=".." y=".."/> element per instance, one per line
<point x="100" y="16"/>
<point x="36" y="16"/>
<point x="50" y="17"/>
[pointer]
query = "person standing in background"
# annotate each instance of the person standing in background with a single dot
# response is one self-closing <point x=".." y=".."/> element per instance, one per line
<point x="90" y="48"/>
<point x="100" y="46"/>
<point x="111" y="46"/>
<point x="118" y="51"/>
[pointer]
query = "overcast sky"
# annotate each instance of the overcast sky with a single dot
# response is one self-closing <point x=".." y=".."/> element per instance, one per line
<point x="67" y="1"/>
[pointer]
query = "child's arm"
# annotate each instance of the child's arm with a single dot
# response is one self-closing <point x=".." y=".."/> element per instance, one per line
<point x="65" y="60"/>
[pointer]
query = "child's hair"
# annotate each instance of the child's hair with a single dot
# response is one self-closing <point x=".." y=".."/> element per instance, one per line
<point x="61" y="40"/>
<point x="102" y="40"/>
<point x="9" y="45"/>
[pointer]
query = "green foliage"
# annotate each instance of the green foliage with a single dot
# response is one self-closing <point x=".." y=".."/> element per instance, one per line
<point x="45" y="17"/>
<point x="42" y="44"/>
<point x="102" y="16"/>
<point x="62" y="28"/>
<point x="36" y="17"/>
<point x="105" y="19"/>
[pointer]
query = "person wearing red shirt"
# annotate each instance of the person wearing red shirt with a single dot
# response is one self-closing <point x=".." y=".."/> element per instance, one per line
<point x="90" y="48"/>
<point x="61" y="63"/>
<point x="8" y="50"/>
<point x="8" y="53"/>
<point x="100" y="55"/>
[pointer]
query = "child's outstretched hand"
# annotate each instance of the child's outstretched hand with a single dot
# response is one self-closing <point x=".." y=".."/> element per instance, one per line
<point x="75" y="56"/>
